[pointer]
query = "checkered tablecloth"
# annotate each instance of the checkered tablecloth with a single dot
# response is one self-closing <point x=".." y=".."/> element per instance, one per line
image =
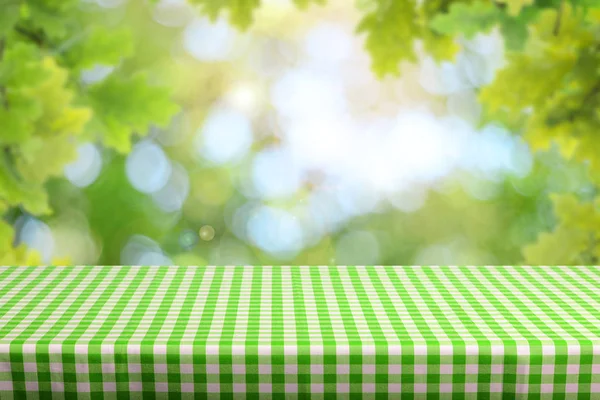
<point x="300" y="332"/>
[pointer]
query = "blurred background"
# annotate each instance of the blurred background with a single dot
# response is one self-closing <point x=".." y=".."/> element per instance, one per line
<point x="288" y="150"/>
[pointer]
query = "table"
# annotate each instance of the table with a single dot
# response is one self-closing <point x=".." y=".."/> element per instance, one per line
<point x="299" y="332"/>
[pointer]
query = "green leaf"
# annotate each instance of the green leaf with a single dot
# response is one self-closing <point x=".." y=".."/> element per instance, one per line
<point x="51" y="153"/>
<point x="391" y="33"/>
<point x="561" y="247"/>
<point x="515" y="29"/>
<point x="58" y="116"/>
<point x="124" y="106"/>
<point x="101" y="46"/>
<point x="514" y="33"/>
<point x="570" y="211"/>
<point x="22" y="66"/>
<point x="48" y="16"/>
<point x="17" y="117"/>
<point x="515" y="6"/>
<point x="468" y="19"/>
<point x="240" y="11"/>
<point x="38" y="125"/>
<point x="15" y="192"/>
<point x="440" y="47"/>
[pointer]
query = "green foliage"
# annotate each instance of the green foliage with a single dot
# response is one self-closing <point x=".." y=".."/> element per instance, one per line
<point x="240" y="12"/>
<point x="483" y="16"/>
<point x="128" y="105"/>
<point x="514" y="6"/>
<point x="468" y="19"/>
<point x="548" y="92"/>
<point x="57" y="122"/>
<point x="393" y="29"/>
<point x="560" y="108"/>
<point x="562" y="105"/>
<point x="45" y="112"/>
<point x="574" y="240"/>
<point x="43" y="20"/>
<point x="514" y="28"/>
<point x="101" y="45"/>
<point x="38" y="121"/>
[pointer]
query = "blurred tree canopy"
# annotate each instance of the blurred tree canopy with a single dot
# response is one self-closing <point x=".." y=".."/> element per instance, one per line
<point x="548" y="92"/>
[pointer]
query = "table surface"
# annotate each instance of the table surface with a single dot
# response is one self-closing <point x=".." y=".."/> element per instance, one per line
<point x="283" y="330"/>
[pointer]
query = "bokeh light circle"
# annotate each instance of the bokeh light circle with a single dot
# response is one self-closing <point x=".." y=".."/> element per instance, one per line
<point x="207" y="233"/>
<point x="148" y="168"/>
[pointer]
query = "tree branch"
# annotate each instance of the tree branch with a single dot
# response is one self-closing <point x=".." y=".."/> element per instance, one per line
<point x="558" y="17"/>
<point x="588" y="97"/>
<point x="34" y="37"/>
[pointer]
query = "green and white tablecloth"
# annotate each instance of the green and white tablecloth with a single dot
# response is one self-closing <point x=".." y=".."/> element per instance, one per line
<point x="300" y="332"/>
